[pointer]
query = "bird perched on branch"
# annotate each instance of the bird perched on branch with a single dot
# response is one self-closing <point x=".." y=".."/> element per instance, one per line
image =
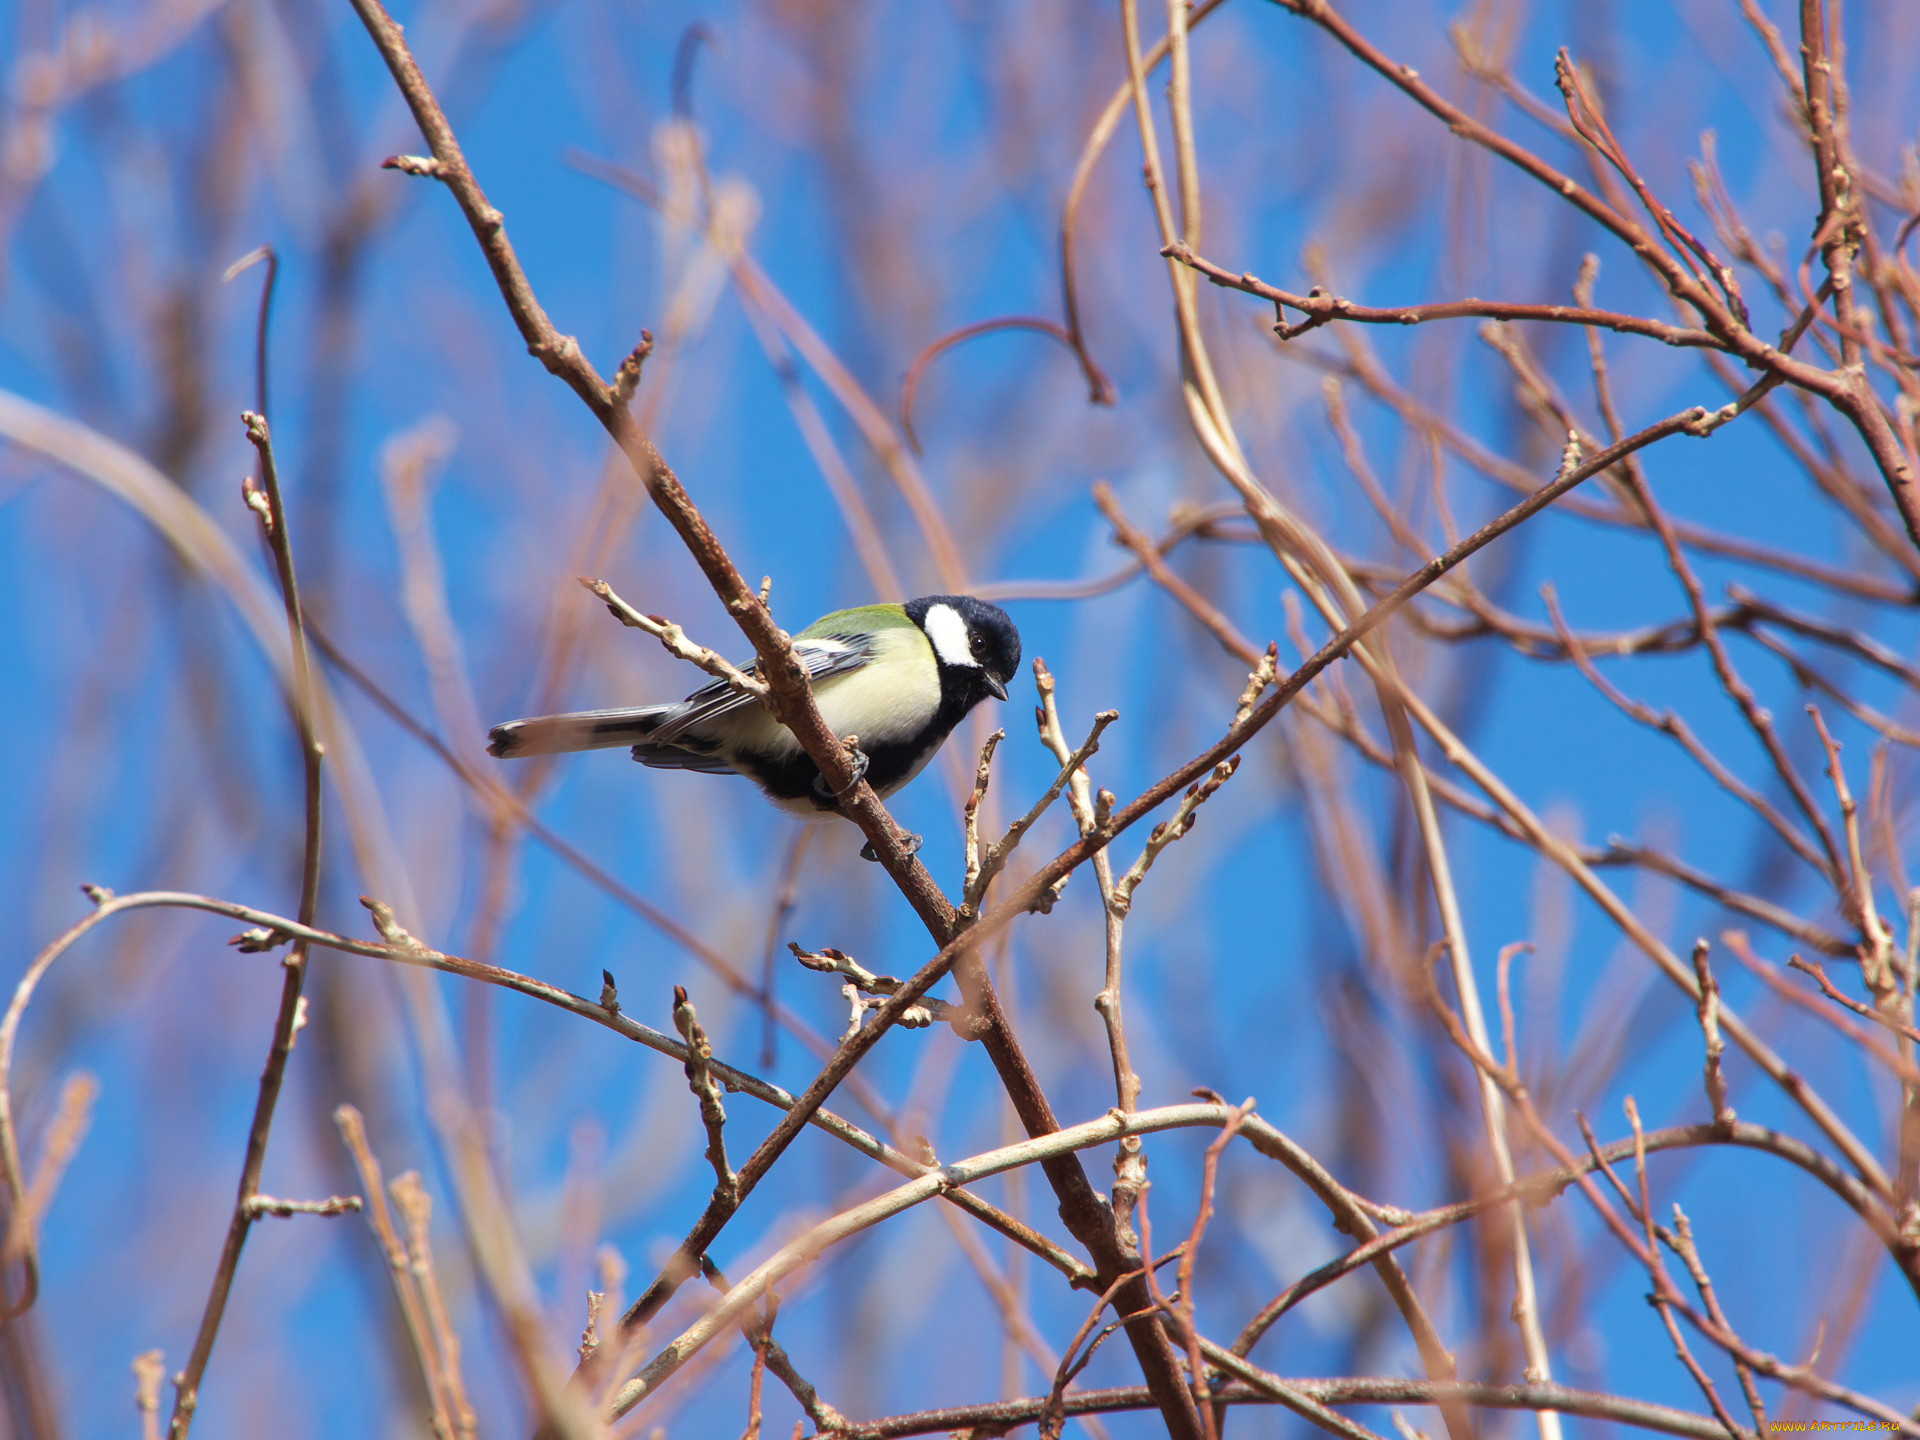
<point x="898" y="677"/>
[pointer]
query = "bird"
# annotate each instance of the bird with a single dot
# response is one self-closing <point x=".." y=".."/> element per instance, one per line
<point x="898" y="677"/>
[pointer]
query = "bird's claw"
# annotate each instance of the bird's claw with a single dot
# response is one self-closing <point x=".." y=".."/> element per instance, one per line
<point x="860" y="764"/>
<point x="909" y="845"/>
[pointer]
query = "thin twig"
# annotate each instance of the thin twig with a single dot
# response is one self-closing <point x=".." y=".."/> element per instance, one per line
<point x="1840" y="997"/>
<point x="416" y="1211"/>
<point x="1000" y="1416"/>
<point x="268" y="503"/>
<point x="149" y="1374"/>
<point x="72" y="1116"/>
<point x="1321" y="308"/>
<point x="1876" y="950"/>
<point x="286" y="1209"/>
<point x="1533" y="832"/>
<point x="994" y="860"/>
<point x="982" y="776"/>
<point x="1844" y="388"/>
<point x="1801" y="1377"/>
<point x="674" y="640"/>
<point x="1089" y="813"/>
<point x="1708" y="1006"/>
<point x="406" y="1287"/>
<point x="1184" y="1311"/>
<point x="830" y="961"/>
<point x="809" y="1246"/>
<point x="1662" y="1298"/>
<point x="1680" y="1241"/>
<point x="768" y="1352"/>
<point x="1542" y="1185"/>
<point x="713" y="1113"/>
<point x="1170" y="830"/>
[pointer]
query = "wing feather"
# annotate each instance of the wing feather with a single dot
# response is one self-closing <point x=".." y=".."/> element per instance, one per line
<point x="677" y="736"/>
<point x="822" y="656"/>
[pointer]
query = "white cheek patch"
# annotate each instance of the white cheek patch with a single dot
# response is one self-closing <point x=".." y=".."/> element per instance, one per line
<point x="948" y="632"/>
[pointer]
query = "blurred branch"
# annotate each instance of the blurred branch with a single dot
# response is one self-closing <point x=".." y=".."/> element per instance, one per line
<point x="448" y="1413"/>
<point x="1757" y="717"/>
<point x="779" y="324"/>
<point x="1366" y="372"/>
<point x="264" y="1205"/>
<point x="886" y="226"/>
<point x="1102" y="387"/>
<point x="1090" y="153"/>
<point x="1671" y="724"/>
<point x="27" y="1202"/>
<point x="1538" y="836"/>
<point x="442" y="1340"/>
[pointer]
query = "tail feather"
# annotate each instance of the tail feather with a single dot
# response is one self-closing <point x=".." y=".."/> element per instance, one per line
<point x="584" y="730"/>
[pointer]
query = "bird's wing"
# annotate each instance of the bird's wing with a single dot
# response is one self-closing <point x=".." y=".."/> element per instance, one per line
<point x="823" y="656"/>
<point x="672" y="757"/>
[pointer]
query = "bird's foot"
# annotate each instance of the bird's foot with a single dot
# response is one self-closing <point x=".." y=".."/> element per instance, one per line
<point x="910" y="844"/>
<point x="823" y="791"/>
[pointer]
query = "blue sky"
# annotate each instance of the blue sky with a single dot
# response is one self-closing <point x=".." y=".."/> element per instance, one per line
<point x="904" y="169"/>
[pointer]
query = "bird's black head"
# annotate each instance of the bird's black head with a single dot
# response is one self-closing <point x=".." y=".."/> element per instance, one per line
<point x="975" y="643"/>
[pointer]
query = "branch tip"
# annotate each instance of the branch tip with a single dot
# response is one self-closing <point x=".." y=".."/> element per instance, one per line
<point x="425" y="166"/>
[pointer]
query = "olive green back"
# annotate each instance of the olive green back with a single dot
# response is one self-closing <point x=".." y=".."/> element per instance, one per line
<point x="860" y="620"/>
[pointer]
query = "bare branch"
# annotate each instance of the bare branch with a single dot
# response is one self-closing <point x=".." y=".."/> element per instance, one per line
<point x="713" y="1114"/>
<point x="1321" y="308"/>
<point x="272" y="510"/>
<point x="995" y="859"/>
<point x="1708" y="1005"/>
<point x="1004" y="1414"/>
<point x="446" y="1403"/>
<point x="285" y="1209"/>
<point x="674" y="640"/>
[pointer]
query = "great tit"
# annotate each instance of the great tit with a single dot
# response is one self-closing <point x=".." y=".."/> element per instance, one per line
<point x="899" y="677"/>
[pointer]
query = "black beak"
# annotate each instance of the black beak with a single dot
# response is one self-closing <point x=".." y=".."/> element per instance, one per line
<point x="993" y="684"/>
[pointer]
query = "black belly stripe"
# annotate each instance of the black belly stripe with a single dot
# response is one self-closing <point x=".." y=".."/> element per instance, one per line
<point x="793" y="779"/>
<point x="888" y="761"/>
